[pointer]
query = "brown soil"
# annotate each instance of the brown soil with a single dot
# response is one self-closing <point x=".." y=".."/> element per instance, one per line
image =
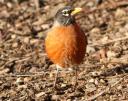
<point x="26" y="74"/>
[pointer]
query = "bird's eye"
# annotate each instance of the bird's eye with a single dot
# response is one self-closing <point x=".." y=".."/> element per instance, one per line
<point x="65" y="12"/>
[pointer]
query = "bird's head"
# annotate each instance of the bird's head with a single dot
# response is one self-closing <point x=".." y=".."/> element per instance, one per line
<point x="65" y="15"/>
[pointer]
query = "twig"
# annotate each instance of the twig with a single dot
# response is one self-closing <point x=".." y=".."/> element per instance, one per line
<point x="108" y="42"/>
<point x="24" y="75"/>
<point x="105" y="90"/>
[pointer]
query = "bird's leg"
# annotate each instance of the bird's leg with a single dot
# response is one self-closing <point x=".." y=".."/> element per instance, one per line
<point x="56" y="76"/>
<point x="76" y="77"/>
<point x="76" y="74"/>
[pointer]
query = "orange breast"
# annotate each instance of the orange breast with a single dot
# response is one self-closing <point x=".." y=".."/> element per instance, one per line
<point x="66" y="45"/>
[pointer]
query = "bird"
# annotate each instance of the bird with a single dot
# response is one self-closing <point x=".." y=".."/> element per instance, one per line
<point x="66" y="42"/>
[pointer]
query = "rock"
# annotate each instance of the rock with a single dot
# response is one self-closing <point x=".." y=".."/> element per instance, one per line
<point x="34" y="41"/>
<point x="2" y="1"/>
<point x="102" y="81"/>
<point x="1" y="82"/>
<point x="55" y="97"/>
<point x="90" y="87"/>
<point x="40" y="94"/>
<point x="126" y="28"/>
<point x="47" y="7"/>
<point x="126" y="33"/>
<point x="12" y="92"/>
<point x="9" y="5"/>
<point x="90" y="49"/>
<point x="41" y="35"/>
<point x="90" y="4"/>
<point x="26" y="40"/>
<point x="33" y="70"/>
<point x="95" y="30"/>
<point x="119" y="87"/>
<point x="63" y="85"/>
<point x="113" y="80"/>
<point x="96" y="73"/>
<point x="51" y="75"/>
<point x="120" y="13"/>
<point x="27" y="79"/>
<point x="15" y="45"/>
<point x="6" y="70"/>
<point x="111" y="54"/>
<point x="22" y="87"/>
<point x="68" y="100"/>
<point x="104" y="39"/>
<point x="13" y="36"/>
<point x="45" y="26"/>
<point x="19" y="81"/>
<point x="96" y="82"/>
<point x="91" y="80"/>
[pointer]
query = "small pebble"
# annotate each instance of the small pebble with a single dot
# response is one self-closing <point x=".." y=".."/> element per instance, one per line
<point x="34" y="41"/>
<point x="4" y="71"/>
<point x="33" y="70"/>
<point x="95" y="30"/>
<point x="96" y="82"/>
<point x="12" y="93"/>
<point x="90" y="4"/>
<point x="13" y="36"/>
<point x="45" y="26"/>
<point x="120" y="13"/>
<point x="90" y="49"/>
<point x="91" y="80"/>
<point x="51" y="75"/>
<point x="40" y="94"/>
<point x="27" y="79"/>
<point x="55" y="97"/>
<point x="102" y="81"/>
<point x="119" y="87"/>
<point x="26" y="40"/>
<point x="63" y="85"/>
<point x="47" y="7"/>
<point x="1" y="82"/>
<point x="19" y="81"/>
<point x="105" y="39"/>
<point x="111" y="54"/>
<point x="96" y="73"/>
<point x="15" y="45"/>
<point x="68" y="100"/>
<point x="9" y="5"/>
<point x="112" y="81"/>
<point x="90" y="87"/>
<point x="22" y="87"/>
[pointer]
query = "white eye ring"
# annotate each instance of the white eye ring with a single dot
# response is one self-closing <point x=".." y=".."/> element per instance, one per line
<point x="65" y="12"/>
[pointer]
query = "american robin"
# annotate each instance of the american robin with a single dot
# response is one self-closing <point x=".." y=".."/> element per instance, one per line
<point x="66" y="42"/>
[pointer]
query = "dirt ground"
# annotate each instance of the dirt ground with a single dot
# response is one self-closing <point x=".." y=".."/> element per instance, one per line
<point x="26" y="74"/>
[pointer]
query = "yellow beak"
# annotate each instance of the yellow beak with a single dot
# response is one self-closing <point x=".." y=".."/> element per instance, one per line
<point x="76" y="10"/>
